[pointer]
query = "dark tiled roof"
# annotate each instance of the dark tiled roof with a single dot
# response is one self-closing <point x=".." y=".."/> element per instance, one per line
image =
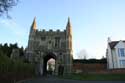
<point x="113" y="44"/>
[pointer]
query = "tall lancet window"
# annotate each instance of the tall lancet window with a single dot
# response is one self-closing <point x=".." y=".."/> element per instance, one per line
<point x="57" y="42"/>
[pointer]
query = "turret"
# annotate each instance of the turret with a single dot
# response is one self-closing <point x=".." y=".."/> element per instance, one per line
<point x="32" y="34"/>
<point x="69" y="34"/>
<point x="69" y="45"/>
<point x="33" y="26"/>
<point x="68" y="28"/>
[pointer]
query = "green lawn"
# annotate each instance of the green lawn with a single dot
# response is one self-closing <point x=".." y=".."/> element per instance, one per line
<point x="96" y="77"/>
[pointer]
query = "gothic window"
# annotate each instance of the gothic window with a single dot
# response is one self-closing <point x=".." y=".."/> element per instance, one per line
<point x="60" y="53"/>
<point x="63" y="45"/>
<point x="50" y="42"/>
<point x="43" y="38"/>
<point x="57" y="42"/>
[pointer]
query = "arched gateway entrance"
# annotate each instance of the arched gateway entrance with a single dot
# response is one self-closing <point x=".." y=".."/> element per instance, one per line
<point x="45" y="60"/>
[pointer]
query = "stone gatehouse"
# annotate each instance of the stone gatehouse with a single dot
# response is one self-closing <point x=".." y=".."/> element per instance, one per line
<point x="43" y="45"/>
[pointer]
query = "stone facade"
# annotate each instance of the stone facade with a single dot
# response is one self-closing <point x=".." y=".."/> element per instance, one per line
<point x="43" y="45"/>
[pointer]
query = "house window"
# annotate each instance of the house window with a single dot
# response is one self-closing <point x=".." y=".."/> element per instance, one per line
<point x="122" y="63"/>
<point x="121" y="52"/>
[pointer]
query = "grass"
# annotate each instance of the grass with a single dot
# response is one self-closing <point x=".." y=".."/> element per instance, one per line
<point x="98" y="77"/>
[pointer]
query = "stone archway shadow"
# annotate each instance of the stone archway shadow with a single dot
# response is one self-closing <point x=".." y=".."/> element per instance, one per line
<point x="45" y="60"/>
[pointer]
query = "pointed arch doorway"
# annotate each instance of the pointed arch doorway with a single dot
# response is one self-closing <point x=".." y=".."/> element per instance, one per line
<point x="47" y="65"/>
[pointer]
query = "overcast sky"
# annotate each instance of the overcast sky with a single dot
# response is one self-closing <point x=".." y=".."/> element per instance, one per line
<point x="92" y="22"/>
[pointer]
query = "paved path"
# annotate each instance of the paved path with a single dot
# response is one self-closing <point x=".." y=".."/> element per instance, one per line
<point x="57" y="80"/>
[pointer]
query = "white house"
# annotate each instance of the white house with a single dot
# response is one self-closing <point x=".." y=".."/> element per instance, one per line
<point x="115" y="54"/>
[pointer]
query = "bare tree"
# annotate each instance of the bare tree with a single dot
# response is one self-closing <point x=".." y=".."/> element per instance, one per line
<point x="82" y="54"/>
<point x="6" y="5"/>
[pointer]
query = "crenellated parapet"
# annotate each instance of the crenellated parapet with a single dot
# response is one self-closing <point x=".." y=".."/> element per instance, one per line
<point x="51" y="31"/>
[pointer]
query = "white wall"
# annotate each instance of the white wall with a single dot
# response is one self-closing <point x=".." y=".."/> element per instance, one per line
<point x="109" y="58"/>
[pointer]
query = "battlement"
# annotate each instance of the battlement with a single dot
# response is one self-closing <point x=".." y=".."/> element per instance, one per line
<point x="51" y="31"/>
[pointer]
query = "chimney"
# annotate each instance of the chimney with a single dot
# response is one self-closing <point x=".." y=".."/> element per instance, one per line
<point x="109" y="40"/>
